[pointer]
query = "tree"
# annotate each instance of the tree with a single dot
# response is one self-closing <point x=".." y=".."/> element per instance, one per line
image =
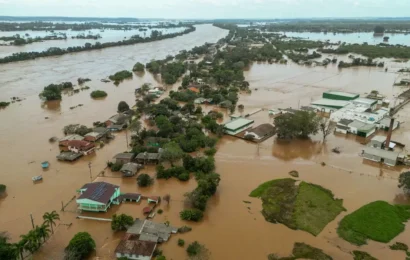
<point x="326" y="127"/>
<point x="76" y="129"/>
<point x="49" y="219"/>
<point x="98" y="94"/>
<point x="141" y="105"/>
<point x="185" y="81"/>
<point x="43" y="231"/>
<point x="149" y="98"/>
<point x="121" y="222"/>
<point x="379" y="29"/>
<point x="191" y="215"/>
<point x="172" y="152"/>
<point x="31" y="241"/>
<point x="298" y="124"/>
<point x="144" y="180"/>
<point x="135" y="127"/>
<point x="138" y="67"/>
<point x="2" y="189"/>
<point x="80" y="246"/>
<point x="404" y="182"/>
<point x="123" y="106"/>
<point x="7" y="250"/>
<point x="197" y="251"/>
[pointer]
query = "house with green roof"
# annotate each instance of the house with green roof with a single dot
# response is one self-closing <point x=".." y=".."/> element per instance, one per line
<point x="237" y="125"/>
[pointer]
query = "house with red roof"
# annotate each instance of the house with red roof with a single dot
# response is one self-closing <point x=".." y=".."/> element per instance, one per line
<point x="79" y="146"/>
<point x="98" y="196"/>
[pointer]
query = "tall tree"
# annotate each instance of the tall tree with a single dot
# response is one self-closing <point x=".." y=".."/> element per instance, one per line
<point x="80" y="246"/>
<point x="43" y="231"/>
<point x="404" y="182"/>
<point x="123" y="106"/>
<point x="326" y="127"/>
<point x="50" y="218"/>
<point x="172" y="153"/>
<point x="30" y="241"/>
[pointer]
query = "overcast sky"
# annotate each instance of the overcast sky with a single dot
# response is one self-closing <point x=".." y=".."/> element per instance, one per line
<point x="207" y="8"/>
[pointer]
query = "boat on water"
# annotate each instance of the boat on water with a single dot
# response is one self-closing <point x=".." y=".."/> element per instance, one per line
<point x="37" y="178"/>
<point x="45" y="164"/>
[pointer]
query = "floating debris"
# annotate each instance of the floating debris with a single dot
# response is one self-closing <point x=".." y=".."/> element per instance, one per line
<point x="294" y="174"/>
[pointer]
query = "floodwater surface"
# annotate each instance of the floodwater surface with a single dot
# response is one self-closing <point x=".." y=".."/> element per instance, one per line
<point x="231" y="228"/>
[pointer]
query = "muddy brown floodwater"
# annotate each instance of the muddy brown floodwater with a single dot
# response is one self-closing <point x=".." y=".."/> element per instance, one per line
<point x="230" y="230"/>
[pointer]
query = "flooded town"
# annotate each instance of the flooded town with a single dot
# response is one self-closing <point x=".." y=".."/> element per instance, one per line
<point x="204" y="139"/>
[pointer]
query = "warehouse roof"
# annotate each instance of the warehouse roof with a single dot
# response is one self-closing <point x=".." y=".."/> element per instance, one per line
<point x="390" y="155"/>
<point x="331" y="103"/>
<point x="341" y="93"/>
<point x="238" y="123"/>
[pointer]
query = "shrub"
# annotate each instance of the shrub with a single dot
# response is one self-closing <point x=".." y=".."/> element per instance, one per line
<point x="2" y="188"/>
<point x="191" y="215"/>
<point x="210" y="151"/>
<point x="160" y="257"/>
<point x="4" y="104"/>
<point x="121" y="222"/>
<point x="98" y="94"/>
<point x="183" y="176"/>
<point x="399" y="246"/>
<point x="80" y="246"/>
<point x="193" y="249"/>
<point x="181" y="242"/>
<point x="116" y="167"/>
<point x="123" y="106"/>
<point x="144" y="180"/>
<point x="120" y="75"/>
<point x="139" y="67"/>
<point x="184" y="229"/>
<point x="160" y="211"/>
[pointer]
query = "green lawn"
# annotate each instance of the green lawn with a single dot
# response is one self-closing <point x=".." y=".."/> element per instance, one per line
<point x="377" y="221"/>
<point x="360" y="255"/>
<point x="315" y="207"/>
<point x="305" y="206"/>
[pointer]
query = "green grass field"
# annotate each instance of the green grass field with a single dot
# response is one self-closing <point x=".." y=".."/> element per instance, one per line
<point x="306" y="206"/>
<point x="303" y="251"/>
<point x="378" y="221"/>
<point x="360" y="255"/>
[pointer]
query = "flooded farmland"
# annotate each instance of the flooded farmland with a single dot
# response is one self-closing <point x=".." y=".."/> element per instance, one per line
<point x="230" y="230"/>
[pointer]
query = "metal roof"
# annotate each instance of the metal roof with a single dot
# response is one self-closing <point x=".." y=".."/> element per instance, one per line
<point x="330" y="102"/>
<point x="341" y="93"/>
<point x="381" y="153"/>
<point x="238" y="123"/>
<point x="379" y="138"/>
<point x="98" y="191"/>
<point x="366" y="101"/>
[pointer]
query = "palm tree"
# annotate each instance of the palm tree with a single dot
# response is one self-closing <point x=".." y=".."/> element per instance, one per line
<point x="30" y="241"/>
<point x="43" y="231"/>
<point x="20" y="248"/>
<point x="49" y="218"/>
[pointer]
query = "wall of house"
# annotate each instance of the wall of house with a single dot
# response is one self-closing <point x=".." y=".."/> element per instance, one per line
<point x="122" y="161"/>
<point x="372" y="157"/>
<point x="115" y="195"/>
<point x="89" y="205"/>
<point x="134" y="257"/>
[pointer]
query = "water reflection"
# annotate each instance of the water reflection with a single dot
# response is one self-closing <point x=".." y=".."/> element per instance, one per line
<point x="298" y="148"/>
<point x="54" y="106"/>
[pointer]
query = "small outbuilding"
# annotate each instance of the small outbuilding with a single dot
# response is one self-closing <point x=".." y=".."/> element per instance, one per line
<point x="379" y="155"/>
<point x="123" y="158"/>
<point x="237" y="125"/>
<point x="130" y="169"/>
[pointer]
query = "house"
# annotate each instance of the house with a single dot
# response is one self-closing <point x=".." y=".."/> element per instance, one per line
<point x="261" y="132"/>
<point x="129" y="197"/>
<point x="92" y="137"/>
<point x="155" y="141"/>
<point x="378" y="142"/>
<point x="123" y="158"/>
<point x="119" y="120"/>
<point x="130" y="169"/>
<point x="102" y="131"/>
<point x="68" y="156"/>
<point x="237" y="125"/>
<point x="133" y="248"/>
<point x="379" y="155"/>
<point x="330" y="103"/>
<point x="274" y="111"/>
<point x="385" y="124"/>
<point x="365" y="102"/>
<point x="116" y="128"/>
<point x="64" y="141"/>
<point x="82" y="147"/>
<point x="151" y="231"/>
<point x="157" y="92"/>
<point x="98" y="196"/>
<point x="361" y="129"/>
<point x="148" y="158"/>
<point x="203" y="100"/>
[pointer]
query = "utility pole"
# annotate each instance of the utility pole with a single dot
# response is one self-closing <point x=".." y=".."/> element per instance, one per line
<point x="91" y="176"/>
<point x="32" y="220"/>
<point x="126" y="137"/>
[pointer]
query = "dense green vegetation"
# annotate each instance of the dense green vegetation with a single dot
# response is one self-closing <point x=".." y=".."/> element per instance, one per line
<point x="98" y="94"/>
<point x="122" y="107"/>
<point x="4" y="104"/>
<point x="53" y="91"/>
<point x="298" y="124"/>
<point x="121" y="75"/>
<point x="399" y="246"/>
<point x="181" y="242"/>
<point x="121" y="222"/>
<point x="76" y="129"/>
<point x="191" y="215"/>
<point x="138" y="67"/>
<point x="303" y="251"/>
<point x="308" y="207"/>
<point x="377" y="221"/>
<point x="55" y="51"/>
<point x="360" y="255"/>
<point x="80" y="246"/>
<point x="2" y="189"/>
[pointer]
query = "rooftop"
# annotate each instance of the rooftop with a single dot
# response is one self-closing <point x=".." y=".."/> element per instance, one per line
<point x="345" y="122"/>
<point x="130" y="245"/>
<point x="130" y="167"/>
<point x="341" y="93"/>
<point x="80" y="144"/>
<point x="366" y="101"/>
<point x="124" y="156"/>
<point x="382" y="153"/>
<point x="150" y="229"/>
<point x="98" y="191"/>
<point x="93" y="134"/>
<point x="379" y="138"/>
<point x="71" y="137"/>
<point x="101" y="130"/>
<point x="263" y="129"/>
<point x="238" y="123"/>
<point x="331" y="103"/>
<point x="364" y="127"/>
<point x="148" y="156"/>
